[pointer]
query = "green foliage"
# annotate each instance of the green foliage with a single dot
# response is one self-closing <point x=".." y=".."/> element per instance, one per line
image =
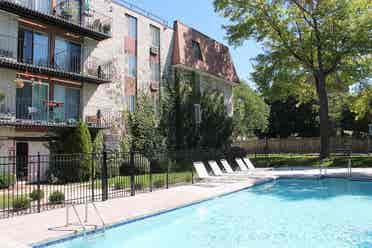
<point x="216" y="126"/>
<point x="310" y="47"/>
<point x="178" y="118"/>
<point x="57" y="197"/>
<point x="37" y="194"/>
<point x="158" y="183"/>
<point x="7" y="180"/>
<point x="21" y="203"/>
<point x="251" y="113"/>
<point x="78" y="165"/>
<point x="361" y="103"/>
<point x="143" y="127"/>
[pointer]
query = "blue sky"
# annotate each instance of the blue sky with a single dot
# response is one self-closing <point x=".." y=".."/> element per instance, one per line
<point x="200" y="14"/>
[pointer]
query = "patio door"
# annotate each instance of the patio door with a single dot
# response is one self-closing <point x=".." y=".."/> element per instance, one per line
<point x="22" y="160"/>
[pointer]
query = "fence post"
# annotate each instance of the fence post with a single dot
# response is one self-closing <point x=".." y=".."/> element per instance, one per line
<point x="104" y="177"/>
<point x="167" y="177"/>
<point x="38" y="182"/>
<point x="132" y="183"/>
<point x="150" y="178"/>
<point x="93" y="174"/>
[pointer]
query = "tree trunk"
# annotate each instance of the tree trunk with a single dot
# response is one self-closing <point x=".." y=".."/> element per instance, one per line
<point x="323" y="115"/>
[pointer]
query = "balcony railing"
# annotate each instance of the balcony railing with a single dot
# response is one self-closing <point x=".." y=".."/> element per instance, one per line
<point x="47" y="113"/>
<point x="69" y="11"/>
<point x="38" y="56"/>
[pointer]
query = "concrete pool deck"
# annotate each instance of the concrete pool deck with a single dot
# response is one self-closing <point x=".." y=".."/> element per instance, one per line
<point x="23" y="231"/>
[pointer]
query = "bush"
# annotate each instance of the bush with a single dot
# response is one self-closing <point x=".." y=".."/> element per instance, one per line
<point x="36" y="195"/>
<point x="75" y="168"/>
<point x="158" y="183"/>
<point x="57" y="197"/>
<point x="21" y="203"/>
<point x="7" y="180"/>
<point x="139" y="186"/>
<point x="119" y="185"/>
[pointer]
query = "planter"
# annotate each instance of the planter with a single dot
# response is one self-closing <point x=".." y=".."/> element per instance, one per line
<point x="19" y="83"/>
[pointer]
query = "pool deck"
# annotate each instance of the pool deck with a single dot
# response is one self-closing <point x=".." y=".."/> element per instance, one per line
<point x="24" y="231"/>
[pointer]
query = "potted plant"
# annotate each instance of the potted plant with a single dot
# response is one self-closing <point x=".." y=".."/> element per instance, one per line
<point x="19" y="83"/>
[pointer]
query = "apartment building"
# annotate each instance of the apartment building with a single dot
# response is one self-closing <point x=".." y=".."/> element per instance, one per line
<point x="67" y="60"/>
<point x="44" y="69"/>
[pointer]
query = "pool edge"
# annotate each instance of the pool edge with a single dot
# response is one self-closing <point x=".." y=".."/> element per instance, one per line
<point x="62" y="239"/>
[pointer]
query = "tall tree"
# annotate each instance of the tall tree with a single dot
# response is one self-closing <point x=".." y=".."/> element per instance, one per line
<point x="251" y="113"/>
<point x="317" y="42"/>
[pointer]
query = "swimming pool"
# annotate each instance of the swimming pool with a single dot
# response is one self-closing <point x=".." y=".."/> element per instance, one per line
<point x="283" y="213"/>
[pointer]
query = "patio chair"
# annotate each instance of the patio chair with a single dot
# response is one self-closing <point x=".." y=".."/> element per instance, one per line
<point x="241" y="164"/>
<point x="203" y="173"/>
<point x="218" y="172"/>
<point x="248" y="162"/>
<point x="226" y="166"/>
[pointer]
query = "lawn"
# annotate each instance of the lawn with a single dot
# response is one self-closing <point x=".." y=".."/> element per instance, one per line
<point x="280" y="160"/>
<point x="6" y="201"/>
<point x="143" y="181"/>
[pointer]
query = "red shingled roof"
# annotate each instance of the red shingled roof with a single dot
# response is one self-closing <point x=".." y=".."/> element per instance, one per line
<point x="216" y="56"/>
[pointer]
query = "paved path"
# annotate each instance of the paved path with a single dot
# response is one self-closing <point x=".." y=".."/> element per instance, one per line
<point x="21" y="232"/>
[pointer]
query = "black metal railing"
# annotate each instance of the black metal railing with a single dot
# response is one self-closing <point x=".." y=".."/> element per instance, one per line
<point x="15" y="50"/>
<point x="35" y="183"/>
<point x="70" y="11"/>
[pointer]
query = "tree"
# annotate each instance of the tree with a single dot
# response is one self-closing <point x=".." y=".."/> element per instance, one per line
<point x="77" y="145"/>
<point x="251" y="113"/>
<point x="307" y="42"/>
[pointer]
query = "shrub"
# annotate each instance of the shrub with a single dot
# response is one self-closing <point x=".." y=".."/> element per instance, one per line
<point x="119" y="185"/>
<point x="78" y="167"/>
<point x="7" y="180"/>
<point x="21" y="203"/>
<point x="158" y="183"/>
<point x="36" y="195"/>
<point x="139" y="186"/>
<point x="57" y="197"/>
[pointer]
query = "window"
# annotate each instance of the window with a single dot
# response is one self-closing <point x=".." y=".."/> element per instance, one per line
<point x="67" y="56"/>
<point x="33" y="47"/>
<point x="42" y="6"/>
<point x="132" y="66"/>
<point x="31" y="101"/>
<point x="155" y="71"/>
<point x="70" y="97"/>
<point x="132" y="26"/>
<point x="131" y="104"/>
<point x="155" y="36"/>
<point x="196" y="50"/>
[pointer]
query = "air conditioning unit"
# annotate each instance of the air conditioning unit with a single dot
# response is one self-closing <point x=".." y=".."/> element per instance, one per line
<point x="154" y="50"/>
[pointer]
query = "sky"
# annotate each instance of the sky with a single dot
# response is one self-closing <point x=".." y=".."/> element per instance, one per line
<point x="200" y="15"/>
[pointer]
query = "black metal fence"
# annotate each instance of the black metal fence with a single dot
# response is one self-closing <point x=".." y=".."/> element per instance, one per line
<point x="36" y="183"/>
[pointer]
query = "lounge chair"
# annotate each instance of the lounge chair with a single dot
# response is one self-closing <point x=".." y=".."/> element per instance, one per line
<point x="226" y="166"/>
<point x="218" y="172"/>
<point x="241" y="164"/>
<point x="203" y="173"/>
<point x="248" y="162"/>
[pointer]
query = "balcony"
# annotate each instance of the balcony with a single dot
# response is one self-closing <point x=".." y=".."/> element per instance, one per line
<point x="34" y="57"/>
<point x="30" y="112"/>
<point x="67" y="14"/>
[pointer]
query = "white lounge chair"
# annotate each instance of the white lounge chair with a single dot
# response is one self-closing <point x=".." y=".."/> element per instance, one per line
<point x="203" y="173"/>
<point x="248" y="162"/>
<point x="241" y="164"/>
<point x="215" y="168"/>
<point x="218" y="172"/>
<point x="226" y="166"/>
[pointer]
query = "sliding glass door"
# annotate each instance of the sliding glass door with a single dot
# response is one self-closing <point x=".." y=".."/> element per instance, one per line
<point x="32" y="101"/>
<point x="70" y="99"/>
<point x="33" y="47"/>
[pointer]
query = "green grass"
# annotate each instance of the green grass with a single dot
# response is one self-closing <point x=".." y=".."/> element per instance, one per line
<point x="144" y="180"/>
<point x="6" y="201"/>
<point x="280" y="160"/>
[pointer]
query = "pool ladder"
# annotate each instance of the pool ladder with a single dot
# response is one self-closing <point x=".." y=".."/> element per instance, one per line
<point x="82" y="223"/>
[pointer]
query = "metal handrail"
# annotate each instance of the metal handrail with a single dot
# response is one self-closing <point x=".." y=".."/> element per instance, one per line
<point x="77" y="216"/>
<point x="99" y="216"/>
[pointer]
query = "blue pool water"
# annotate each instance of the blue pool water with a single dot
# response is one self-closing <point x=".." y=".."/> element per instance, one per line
<point x="284" y="213"/>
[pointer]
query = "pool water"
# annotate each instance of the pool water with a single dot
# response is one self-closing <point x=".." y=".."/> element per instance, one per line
<point x="283" y="213"/>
